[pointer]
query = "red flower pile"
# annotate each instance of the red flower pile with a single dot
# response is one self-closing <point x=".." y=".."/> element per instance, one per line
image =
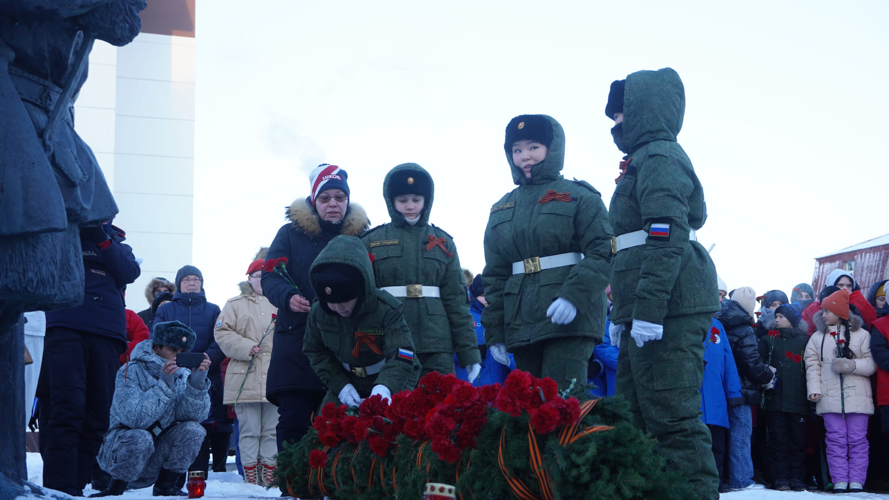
<point x="336" y="426"/>
<point x="539" y="398"/>
<point x="317" y="459"/>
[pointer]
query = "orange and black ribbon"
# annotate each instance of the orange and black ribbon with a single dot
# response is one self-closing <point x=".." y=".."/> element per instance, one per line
<point x="537" y="465"/>
<point x="516" y="485"/>
<point x="438" y="242"/>
<point x="623" y="169"/>
<point x="554" y="196"/>
<point x="370" y="341"/>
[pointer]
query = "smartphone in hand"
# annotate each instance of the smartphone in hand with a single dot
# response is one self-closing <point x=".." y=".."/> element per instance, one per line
<point x="189" y="359"/>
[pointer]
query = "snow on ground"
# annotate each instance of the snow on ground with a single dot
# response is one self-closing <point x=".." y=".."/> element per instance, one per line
<point x="231" y="486"/>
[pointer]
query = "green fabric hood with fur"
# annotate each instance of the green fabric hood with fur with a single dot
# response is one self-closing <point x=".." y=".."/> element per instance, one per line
<point x="551" y="167"/>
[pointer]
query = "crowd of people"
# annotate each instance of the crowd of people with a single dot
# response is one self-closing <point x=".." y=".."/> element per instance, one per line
<point x="624" y="299"/>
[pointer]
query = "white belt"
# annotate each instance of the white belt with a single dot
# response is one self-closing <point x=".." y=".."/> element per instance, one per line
<point x="413" y="291"/>
<point x="363" y="371"/>
<point x="537" y="264"/>
<point x="637" y="238"/>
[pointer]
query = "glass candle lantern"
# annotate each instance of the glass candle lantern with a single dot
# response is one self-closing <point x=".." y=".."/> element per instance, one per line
<point x="196" y="484"/>
<point x="439" y="491"/>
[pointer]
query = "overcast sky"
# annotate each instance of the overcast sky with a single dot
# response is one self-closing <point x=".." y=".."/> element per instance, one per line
<point x="785" y="120"/>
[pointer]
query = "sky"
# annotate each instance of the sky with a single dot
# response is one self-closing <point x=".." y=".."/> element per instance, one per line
<point x="785" y="115"/>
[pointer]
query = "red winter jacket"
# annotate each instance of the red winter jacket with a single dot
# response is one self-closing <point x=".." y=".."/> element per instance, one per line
<point x="809" y="314"/>
<point x="879" y="347"/>
<point x="136" y="332"/>
<point x="868" y="314"/>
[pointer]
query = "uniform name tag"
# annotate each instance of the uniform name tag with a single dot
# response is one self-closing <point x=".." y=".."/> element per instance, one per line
<point x="502" y="206"/>
<point x="371" y="331"/>
<point x="383" y="243"/>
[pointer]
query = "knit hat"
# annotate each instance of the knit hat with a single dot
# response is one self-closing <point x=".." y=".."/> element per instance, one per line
<point x="838" y="303"/>
<point x="774" y="295"/>
<point x="881" y="292"/>
<point x="800" y="288"/>
<point x="615" y="99"/>
<point x="791" y="312"/>
<point x="409" y="182"/>
<point x="746" y="297"/>
<point x="826" y="292"/>
<point x="173" y="334"/>
<point x="256" y="265"/>
<point x="720" y="284"/>
<point x="477" y="287"/>
<point x="337" y="283"/>
<point x="188" y="271"/>
<point x="530" y="128"/>
<point x="326" y="176"/>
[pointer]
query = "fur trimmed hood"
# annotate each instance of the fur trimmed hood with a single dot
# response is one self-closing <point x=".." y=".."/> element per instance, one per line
<point x="154" y="284"/>
<point x="245" y="288"/>
<point x="855" y="322"/>
<point x="304" y="218"/>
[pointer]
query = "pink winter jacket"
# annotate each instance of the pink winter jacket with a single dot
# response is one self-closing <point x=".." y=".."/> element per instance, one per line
<point x="820" y="379"/>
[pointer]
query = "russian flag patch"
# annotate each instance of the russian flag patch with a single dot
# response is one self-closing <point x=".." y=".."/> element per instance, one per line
<point x="405" y="355"/>
<point x="659" y="230"/>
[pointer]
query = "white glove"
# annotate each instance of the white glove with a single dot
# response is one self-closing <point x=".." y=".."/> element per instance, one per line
<point x="643" y="331"/>
<point x="382" y="390"/>
<point x="561" y="311"/>
<point x="349" y="396"/>
<point x="473" y="370"/>
<point x="614" y="334"/>
<point x="498" y="351"/>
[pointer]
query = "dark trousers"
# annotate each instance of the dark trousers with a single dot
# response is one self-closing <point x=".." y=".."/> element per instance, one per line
<point x="215" y="443"/>
<point x="787" y="446"/>
<point x="295" y="409"/>
<point x="719" y="436"/>
<point x="75" y="389"/>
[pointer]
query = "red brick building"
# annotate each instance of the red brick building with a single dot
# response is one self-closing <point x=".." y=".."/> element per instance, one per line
<point x="867" y="261"/>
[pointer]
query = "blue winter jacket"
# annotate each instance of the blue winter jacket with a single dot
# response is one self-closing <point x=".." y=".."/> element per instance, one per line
<point x="492" y="371"/>
<point x="108" y="270"/>
<point x="605" y="353"/>
<point x="722" y="385"/>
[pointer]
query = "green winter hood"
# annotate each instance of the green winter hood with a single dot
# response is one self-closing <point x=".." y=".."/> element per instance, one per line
<point x="547" y="170"/>
<point x="397" y="178"/>
<point x="654" y="106"/>
<point x="349" y="251"/>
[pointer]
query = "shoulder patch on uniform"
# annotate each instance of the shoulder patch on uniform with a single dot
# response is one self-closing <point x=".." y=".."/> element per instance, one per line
<point x="384" y="243"/>
<point x="586" y="185"/>
<point x="406" y="356"/>
<point x="660" y="231"/>
<point x="218" y="322"/>
<point x="502" y="206"/>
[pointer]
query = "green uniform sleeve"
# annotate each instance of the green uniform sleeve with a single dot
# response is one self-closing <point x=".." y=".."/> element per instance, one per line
<point x="398" y="373"/>
<point x="454" y="298"/>
<point x="664" y="188"/>
<point x="497" y="272"/>
<point x="323" y="360"/>
<point x="593" y="232"/>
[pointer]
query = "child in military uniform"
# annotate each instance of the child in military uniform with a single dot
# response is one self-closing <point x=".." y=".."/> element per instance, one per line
<point x="356" y="338"/>
<point x="418" y="263"/>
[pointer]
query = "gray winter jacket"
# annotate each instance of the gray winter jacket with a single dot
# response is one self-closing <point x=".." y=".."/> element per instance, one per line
<point x="141" y="398"/>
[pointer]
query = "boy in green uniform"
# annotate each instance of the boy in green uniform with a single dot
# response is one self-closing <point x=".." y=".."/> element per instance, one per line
<point x="356" y="338"/>
<point x="663" y="281"/>
<point x="547" y="254"/>
<point x="417" y="262"/>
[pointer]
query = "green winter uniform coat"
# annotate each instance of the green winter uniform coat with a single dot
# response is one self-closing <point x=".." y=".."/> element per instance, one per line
<point x="402" y="256"/>
<point x="668" y="275"/>
<point x="331" y="339"/>
<point x="789" y="394"/>
<point x="523" y="225"/>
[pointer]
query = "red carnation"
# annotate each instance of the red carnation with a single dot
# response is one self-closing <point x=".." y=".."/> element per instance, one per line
<point x="714" y="338"/>
<point x="714" y="330"/>
<point x="774" y="333"/>
<point x="371" y="257"/>
<point x="545" y="419"/>
<point x="788" y="354"/>
<point x="268" y="266"/>
<point x="841" y="341"/>
<point x="833" y="334"/>
<point x="274" y="317"/>
<point x="282" y="260"/>
<point x="317" y="459"/>
<point x="797" y="358"/>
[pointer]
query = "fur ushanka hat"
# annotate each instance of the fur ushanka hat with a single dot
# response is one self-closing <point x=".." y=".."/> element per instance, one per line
<point x="173" y="334"/>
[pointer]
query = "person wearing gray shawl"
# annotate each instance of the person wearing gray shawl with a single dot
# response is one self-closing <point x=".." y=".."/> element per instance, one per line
<point x="156" y="413"/>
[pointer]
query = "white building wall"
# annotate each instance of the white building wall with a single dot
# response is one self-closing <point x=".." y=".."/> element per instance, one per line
<point x="137" y="113"/>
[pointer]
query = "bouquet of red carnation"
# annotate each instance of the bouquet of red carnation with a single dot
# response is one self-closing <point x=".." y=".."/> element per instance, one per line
<point x="279" y="266"/>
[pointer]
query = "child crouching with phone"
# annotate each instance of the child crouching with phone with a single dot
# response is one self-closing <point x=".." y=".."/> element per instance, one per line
<point x="156" y="413"/>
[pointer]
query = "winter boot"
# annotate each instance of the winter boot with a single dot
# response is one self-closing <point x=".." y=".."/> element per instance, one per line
<point x="268" y="475"/>
<point x="251" y="473"/>
<point x="166" y="486"/>
<point x="115" y="487"/>
<point x="840" y="487"/>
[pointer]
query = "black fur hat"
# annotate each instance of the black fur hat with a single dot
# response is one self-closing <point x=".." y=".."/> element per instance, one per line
<point x="408" y="182"/>
<point x="528" y="127"/>
<point x="173" y="334"/>
<point x="615" y="99"/>
<point x="337" y="283"/>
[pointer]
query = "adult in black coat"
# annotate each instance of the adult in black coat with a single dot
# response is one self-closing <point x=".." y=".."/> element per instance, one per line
<point x="80" y="359"/>
<point x="190" y="306"/>
<point x="292" y="385"/>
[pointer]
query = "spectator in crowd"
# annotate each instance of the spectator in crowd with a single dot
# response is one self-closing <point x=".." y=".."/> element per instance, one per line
<point x="723" y="288"/>
<point x="768" y="304"/>
<point x="785" y="399"/>
<point x="803" y="295"/>
<point x="879" y="346"/>
<point x="312" y="222"/>
<point x="838" y="367"/>
<point x="82" y="348"/>
<point x="156" y="414"/>
<point x="720" y="389"/>
<point x="35" y="331"/>
<point x="155" y="287"/>
<point x="136" y="332"/>
<point x="736" y="316"/>
<point x="493" y="371"/>
<point x="417" y="263"/>
<point x="841" y="278"/>
<point x="378" y="359"/>
<point x="602" y="370"/>
<point x="876" y="296"/>
<point x="244" y="332"/>
<point x="190" y="306"/>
